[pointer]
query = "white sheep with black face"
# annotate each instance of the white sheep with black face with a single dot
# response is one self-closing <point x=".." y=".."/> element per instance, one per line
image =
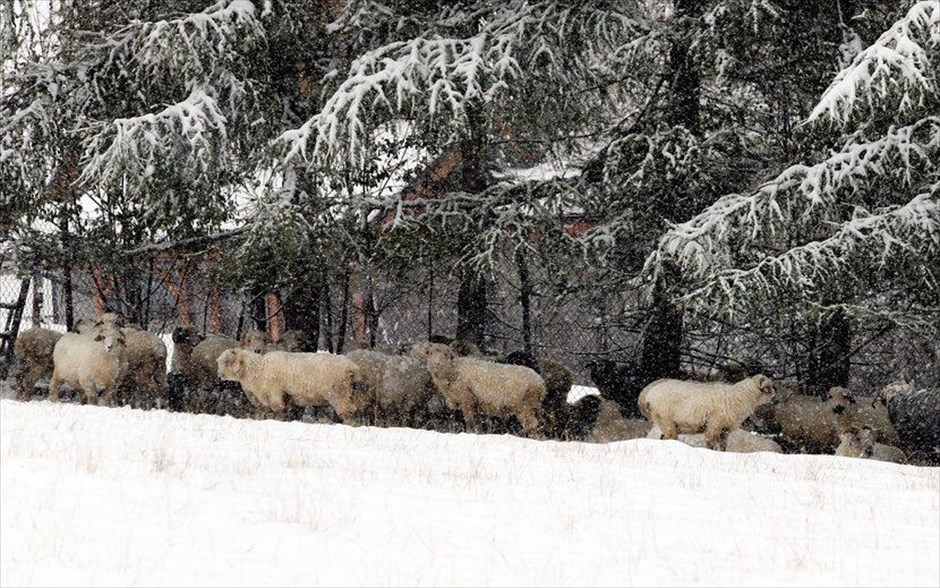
<point x="712" y="408"/>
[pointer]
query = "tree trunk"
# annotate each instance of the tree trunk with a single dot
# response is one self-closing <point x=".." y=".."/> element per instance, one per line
<point x="662" y="340"/>
<point x="684" y="76"/>
<point x="471" y="308"/>
<point x="343" y="314"/>
<point x="830" y="358"/>
<point x="326" y="315"/>
<point x="302" y="312"/>
<point x="472" y="177"/>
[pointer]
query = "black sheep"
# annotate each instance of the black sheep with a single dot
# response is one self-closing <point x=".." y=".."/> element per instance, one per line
<point x="915" y="414"/>
<point x="558" y="382"/>
<point x="619" y="383"/>
<point x="582" y="416"/>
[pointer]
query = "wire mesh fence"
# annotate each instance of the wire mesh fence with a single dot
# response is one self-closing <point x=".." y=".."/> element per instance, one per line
<point x="588" y="318"/>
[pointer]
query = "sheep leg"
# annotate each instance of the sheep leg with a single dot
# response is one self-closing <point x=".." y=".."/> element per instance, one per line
<point x="162" y="396"/>
<point x="108" y="393"/>
<point x="470" y="420"/>
<point x="54" y="385"/>
<point x="144" y="392"/>
<point x="345" y="409"/>
<point x="26" y="378"/>
<point x="669" y="430"/>
<point x="716" y="437"/>
<point x="530" y="424"/>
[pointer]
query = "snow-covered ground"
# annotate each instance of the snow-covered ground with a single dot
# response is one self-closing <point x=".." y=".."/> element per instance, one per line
<point x="98" y="496"/>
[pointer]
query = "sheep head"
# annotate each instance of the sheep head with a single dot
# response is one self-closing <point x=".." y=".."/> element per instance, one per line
<point x="186" y="336"/>
<point x="109" y="336"/>
<point x="254" y="341"/>
<point x="839" y="399"/>
<point x="112" y="318"/>
<point x="231" y="364"/>
<point x="893" y="389"/>
<point x="768" y="393"/>
<point x="84" y="326"/>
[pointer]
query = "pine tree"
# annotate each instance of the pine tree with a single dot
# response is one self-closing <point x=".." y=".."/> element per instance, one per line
<point x="853" y="235"/>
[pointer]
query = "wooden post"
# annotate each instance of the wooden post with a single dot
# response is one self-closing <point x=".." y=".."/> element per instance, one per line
<point x="36" y="309"/>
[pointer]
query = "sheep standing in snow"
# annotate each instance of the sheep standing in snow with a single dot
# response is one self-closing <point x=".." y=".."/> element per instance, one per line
<point x="803" y="422"/>
<point x="255" y="341"/>
<point x="185" y="339"/>
<point x="146" y="368"/>
<point x="145" y="381"/>
<point x="678" y="406"/>
<point x="33" y="351"/>
<point x="397" y="387"/>
<point x="558" y="382"/>
<point x="479" y="386"/>
<point x="582" y="416"/>
<point x="95" y="363"/>
<point x="861" y="443"/>
<point x="279" y="381"/>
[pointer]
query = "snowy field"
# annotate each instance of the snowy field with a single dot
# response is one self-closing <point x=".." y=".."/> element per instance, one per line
<point x="98" y="496"/>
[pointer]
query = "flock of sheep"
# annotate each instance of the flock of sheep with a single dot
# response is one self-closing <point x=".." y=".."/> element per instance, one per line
<point x="453" y="386"/>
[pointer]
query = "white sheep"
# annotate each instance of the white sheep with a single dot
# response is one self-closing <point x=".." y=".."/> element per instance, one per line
<point x="476" y="385"/>
<point x="713" y="408"/>
<point x="203" y="366"/>
<point x="145" y="380"/>
<point x="95" y="363"/>
<point x="279" y="380"/>
<point x="611" y="425"/>
<point x="397" y="386"/>
<point x="33" y="351"/>
<point x="861" y="443"/>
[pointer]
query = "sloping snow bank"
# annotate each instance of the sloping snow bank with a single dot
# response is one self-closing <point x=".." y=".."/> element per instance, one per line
<point x="123" y="497"/>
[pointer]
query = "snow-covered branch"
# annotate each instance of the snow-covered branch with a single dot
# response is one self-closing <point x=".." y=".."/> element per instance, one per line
<point x="436" y="78"/>
<point x="902" y="64"/>
<point x="189" y="131"/>
<point x="798" y="197"/>
<point x="882" y="238"/>
<point x="189" y="44"/>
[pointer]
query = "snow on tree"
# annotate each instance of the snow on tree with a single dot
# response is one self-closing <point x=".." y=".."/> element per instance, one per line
<point x="462" y="77"/>
<point x="858" y="230"/>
